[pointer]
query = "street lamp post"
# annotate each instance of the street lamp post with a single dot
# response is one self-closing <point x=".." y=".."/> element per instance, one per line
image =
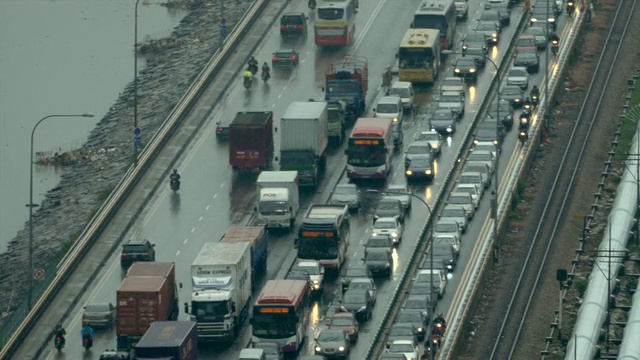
<point x="494" y="201"/>
<point x="431" y="295"/>
<point x="135" y="82"/>
<point x="31" y="204"/>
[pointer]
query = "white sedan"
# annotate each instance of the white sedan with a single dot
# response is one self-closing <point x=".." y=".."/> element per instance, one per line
<point x="388" y="226"/>
<point x="406" y="347"/>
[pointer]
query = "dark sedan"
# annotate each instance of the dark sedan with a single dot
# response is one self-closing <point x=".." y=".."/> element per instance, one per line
<point x="465" y="67"/>
<point x="414" y="317"/>
<point x="504" y="112"/>
<point x="490" y="30"/>
<point x="529" y="60"/>
<point x="402" y="331"/>
<point x="475" y="40"/>
<point x="420" y="168"/>
<point x="285" y="58"/>
<point x="478" y="54"/>
<point x="486" y="131"/>
<point x="358" y="302"/>
<point x="443" y="121"/>
<point x="513" y="94"/>
<point x="355" y="271"/>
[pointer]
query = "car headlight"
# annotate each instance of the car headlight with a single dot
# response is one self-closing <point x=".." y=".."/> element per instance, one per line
<point x="457" y="70"/>
<point x="495" y="142"/>
<point x="420" y="329"/>
<point x="394" y="234"/>
<point x="318" y="348"/>
<point x="434" y="146"/>
<point x="552" y="20"/>
<point x="316" y="282"/>
<point x="428" y="172"/>
<point x="409" y="172"/>
<point x="472" y="70"/>
<point x="517" y="100"/>
<point x="341" y="348"/>
<point x="449" y="129"/>
<point x="476" y="142"/>
<point x="464" y="47"/>
<point x="395" y="119"/>
<point x="494" y="35"/>
<point x="534" y="19"/>
<point x="363" y="308"/>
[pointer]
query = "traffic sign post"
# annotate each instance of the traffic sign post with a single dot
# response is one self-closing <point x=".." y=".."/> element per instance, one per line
<point x="137" y="141"/>
<point x="38" y="274"/>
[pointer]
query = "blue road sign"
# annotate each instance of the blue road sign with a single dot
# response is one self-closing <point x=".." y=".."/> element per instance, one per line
<point x="223" y="30"/>
<point x="136" y="132"/>
<point x="137" y="141"/>
<point x="223" y="21"/>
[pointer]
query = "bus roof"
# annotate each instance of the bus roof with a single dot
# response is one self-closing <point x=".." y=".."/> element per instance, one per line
<point x="420" y="38"/>
<point x="372" y="127"/>
<point x="283" y="292"/>
<point x="435" y="6"/>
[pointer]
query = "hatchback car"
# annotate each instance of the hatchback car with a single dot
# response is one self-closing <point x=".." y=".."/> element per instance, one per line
<point x="285" y="58"/>
<point x="518" y="76"/>
<point x="529" y="60"/>
<point x="99" y="315"/>
<point x="465" y="67"/>
<point x="136" y="250"/>
<point x="404" y="90"/>
<point x="367" y="284"/>
<point x="420" y="169"/>
<point x="389" y="207"/>
<point x="400" y="192"/>
<point x="406" y="347"/>
<point x="346" y="194"/>
<point x="514" y="95"/>
<point x="456" y="213"/>
<point x="389" y="226"/>
<point x="447" y="226"/>
<point x="415" y="318"/>
<point x="358" y="302"/>
<point x="389" y="107"/>
<point x="453" y="101"/>
<point x="355" y="271"/>
<point x="402" y="331"/>
<point x="443" y="121"/>
<point x="272" y="350"/>
<point x="332" y="343"/>
<point x="293" y="24"/>
<point x="433" y="138"/>
<point x="347" y="322"/>
<point x="379" y="261"/>
<point x="417" y="149"/>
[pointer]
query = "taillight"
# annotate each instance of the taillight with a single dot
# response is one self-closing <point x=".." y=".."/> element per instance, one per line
<point x="219" y="130"/>
<point x="58" y="339"/>
<point x="124" y="256"/>
<point x="283" y="27"/>
<point x="293" y="58"/>
<point x="274" y="58"/>
<point x="300" y="27"/>
<point x="145" y="254"/>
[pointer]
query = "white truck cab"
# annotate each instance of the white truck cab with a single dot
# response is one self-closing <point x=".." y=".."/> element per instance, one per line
<point x="278" y="199"/>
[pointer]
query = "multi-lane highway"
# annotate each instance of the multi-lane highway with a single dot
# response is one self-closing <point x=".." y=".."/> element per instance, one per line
<point x="211" y="199"/>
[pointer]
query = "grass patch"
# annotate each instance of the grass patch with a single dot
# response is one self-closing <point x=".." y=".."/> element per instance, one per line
<point x="580" y="286"/>
<point x="104" y="194"/>
<point x="628" y="129"/>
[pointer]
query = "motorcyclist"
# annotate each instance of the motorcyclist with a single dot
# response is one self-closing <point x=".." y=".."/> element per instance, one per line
<point x="527" y="104"/>
<point x="87" y="331"/>
<point x="523" y="132"/>
<point x="534" y="91"/>
<point x="175" y="177"/>
<point x="265" y="70"/>
<point x="60" y="332"/>
<point x="440" y="325"/>
<point x="555" y="40"/>
<point x="248" y="76"/>
<point x="253" y="64"/>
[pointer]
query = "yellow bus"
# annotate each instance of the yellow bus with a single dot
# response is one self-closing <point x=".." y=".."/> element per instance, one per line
<point x="419" y="56"/>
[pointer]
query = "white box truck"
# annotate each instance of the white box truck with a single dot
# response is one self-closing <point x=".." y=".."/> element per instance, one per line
<point x="304" y="136"/>
<point x="278" y="199"/>
<point x="221" y="289"/>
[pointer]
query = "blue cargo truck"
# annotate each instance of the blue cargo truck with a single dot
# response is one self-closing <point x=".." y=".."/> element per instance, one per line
<point x="256" y="236"/>
<point x="348" y="81"/>
<point x="169" y="340"/>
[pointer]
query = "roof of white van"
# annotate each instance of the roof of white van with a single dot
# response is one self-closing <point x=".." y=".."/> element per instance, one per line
<point x="251" y="354"/>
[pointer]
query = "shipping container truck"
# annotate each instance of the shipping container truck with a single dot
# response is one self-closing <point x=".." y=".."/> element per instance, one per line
<point x="169" y="340"/>
<point x="278" y="199"/>
<point x="141" y="301"/>
<point x="304" y="135"/>
<point x="348" y="80"/>
<point x="337" y="121"/>
<point x="251" y="141"/>
<point x="256" y="236"/>
<point x="221" y="289"/>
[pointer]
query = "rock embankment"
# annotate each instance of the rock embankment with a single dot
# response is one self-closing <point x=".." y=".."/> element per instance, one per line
<point x="93" y="171"/>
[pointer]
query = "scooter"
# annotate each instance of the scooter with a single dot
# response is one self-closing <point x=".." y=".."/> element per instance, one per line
<point x="534" y="100"/>
<point x="253" y="68"/>
<point x="174" y="184"/>
<point x="265" y="76"/>
<point x="528" y="104"/>
<point x="571" y="8"/>
<point x="523" y="136"/>
<point x="87" y="343"/>
<point x="555" y="45"/>
<point x="58" y="343"/>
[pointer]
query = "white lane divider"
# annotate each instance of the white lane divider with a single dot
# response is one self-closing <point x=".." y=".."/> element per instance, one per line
<point x="185" y="241"/>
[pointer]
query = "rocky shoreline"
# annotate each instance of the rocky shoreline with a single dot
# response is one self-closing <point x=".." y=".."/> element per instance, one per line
<point x="93" y="171"/>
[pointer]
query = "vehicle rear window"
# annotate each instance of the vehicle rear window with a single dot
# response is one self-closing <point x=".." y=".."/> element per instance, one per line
<point x="135" y="248"/>
<point x="291" y="20"/>
<point x="97" y="308"/>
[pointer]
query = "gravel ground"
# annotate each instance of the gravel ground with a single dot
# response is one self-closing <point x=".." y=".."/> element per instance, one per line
<point x="92" y="171"/>
<point x="485" y="320"/>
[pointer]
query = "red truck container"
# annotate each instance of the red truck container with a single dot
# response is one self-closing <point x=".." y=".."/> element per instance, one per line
<point x="141" y="301"/>
<point x="166" y="270"/>
<point x="251" y="141"/>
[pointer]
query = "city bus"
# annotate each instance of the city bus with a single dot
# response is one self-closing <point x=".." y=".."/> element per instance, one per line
<point x="335" y="22"/>
<point x="324" y="235"/>
<point x="280" y="314"/>
<point x="370" y="149"/>
<point x="437" y="14"/>
<point x="419" y="56"/>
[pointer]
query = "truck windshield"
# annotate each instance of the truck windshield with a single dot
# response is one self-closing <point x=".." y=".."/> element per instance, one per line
<point x="317" y="248"/>
<point x="273" y="207"/>
<point x="274" y="326"/>
<point x="366" y="155"/>
<point x="342" y="88"/>
<point x="203" y="310"/>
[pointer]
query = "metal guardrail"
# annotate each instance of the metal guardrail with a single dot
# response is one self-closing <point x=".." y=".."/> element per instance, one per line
<point x="132" y="177"/>
<point x="420" y="246"/>
<point x="455" y="323"/>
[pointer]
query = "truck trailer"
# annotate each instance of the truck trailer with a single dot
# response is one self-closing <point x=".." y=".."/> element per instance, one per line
<point x="221" y="289"/>
<point x="169" y="340"/>
<point x="251" y="141"/>
<point x="304" y="136"/>
<point x="256" y="236"/>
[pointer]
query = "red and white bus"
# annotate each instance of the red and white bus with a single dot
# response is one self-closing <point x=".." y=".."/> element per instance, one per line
<point x="280" y="314"/>
<point x="440" y="15"/>
<point x="335" y="22"/>
<point x="370" y="149"/>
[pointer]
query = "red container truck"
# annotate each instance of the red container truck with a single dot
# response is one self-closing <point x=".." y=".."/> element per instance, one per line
<point x="251" y="141"/>
<point x="143" y="300"/>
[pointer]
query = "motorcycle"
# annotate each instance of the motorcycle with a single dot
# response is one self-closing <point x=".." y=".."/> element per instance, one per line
<point x="571" y="8"/>
<point x="312" y="4"/>
<point x="247" y="83"/>
<point x="174" y="184"/>
<point x="265" y="76"/>
<point x="525" y="118"/>
<point x="555" y="45"/>
<point x="253" y="68"/>
<point x="523" y="136"/>
<point x="87" y="343"/>
<point x="527" y="104"/>
<point x="58" y="343"/>
<point x="534" y="100"/>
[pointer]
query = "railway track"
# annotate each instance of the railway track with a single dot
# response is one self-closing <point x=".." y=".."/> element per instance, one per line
<point x="554" y="211"/>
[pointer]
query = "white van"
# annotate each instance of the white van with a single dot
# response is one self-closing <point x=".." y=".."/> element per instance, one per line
<point x="252" y="354"/>
<point x="403" y="89"/>
<point x="389" y="107"/>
